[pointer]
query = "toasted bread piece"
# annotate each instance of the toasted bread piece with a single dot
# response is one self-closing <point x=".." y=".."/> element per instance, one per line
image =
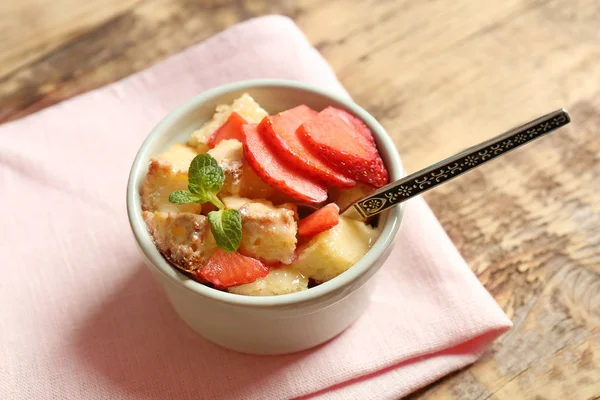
<point x="244" y="105"/>
<point x="162" y="179"/>
<point x="252" y="186"/>
<point x="332" y="252"/>
<point x="183" y="238"/>
<point x="230" y="157"/>
<point x="344" y="197"/>
<point x="180" y="155"/>
<point x="278" y="281"/>
<point x="268" y="231"/>
<point x="240" y="179"/>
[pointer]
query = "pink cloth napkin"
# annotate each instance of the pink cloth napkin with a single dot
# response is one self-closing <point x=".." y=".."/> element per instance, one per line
<point x="81" y="317"/>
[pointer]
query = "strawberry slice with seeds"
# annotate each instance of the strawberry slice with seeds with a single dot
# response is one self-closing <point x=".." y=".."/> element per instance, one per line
<point x="357" y="123"/>
<point x="338" y="139"/>
<point x="231" y="129"/>
<point x="280" y="131"/>
<point x="321" y="220"/>
<point x="275" y="172"/>
<point x="225" y="269"/>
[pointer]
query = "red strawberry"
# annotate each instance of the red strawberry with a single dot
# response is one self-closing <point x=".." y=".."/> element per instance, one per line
<point x="225" y="269"/>
<point x="275" y="172"/>
<point x="355" y="122"/>
<point x="280" y="131"/>
<point x="341" y="141"/>
<point x="319" y="221"/>
<point x="231" y="129"/>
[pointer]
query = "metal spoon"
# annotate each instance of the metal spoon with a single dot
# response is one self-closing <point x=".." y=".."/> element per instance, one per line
<point x="412" y="185"/>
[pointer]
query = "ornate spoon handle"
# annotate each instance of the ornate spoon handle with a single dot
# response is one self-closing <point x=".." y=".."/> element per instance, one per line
<point x="443" y="171"/>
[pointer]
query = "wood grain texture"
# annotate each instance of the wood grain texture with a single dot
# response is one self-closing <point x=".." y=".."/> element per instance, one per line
<point x="440" y="76"/>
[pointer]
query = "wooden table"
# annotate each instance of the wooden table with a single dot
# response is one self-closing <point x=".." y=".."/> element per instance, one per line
<point x="441" y="76"/>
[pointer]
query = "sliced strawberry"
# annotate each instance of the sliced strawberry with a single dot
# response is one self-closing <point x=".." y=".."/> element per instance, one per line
<point x="319" y="221"/>
<point x="280" y="131"/>
<point x="275" y="172"/>
<point x="231" y="129"/>
<point x="225" y="269"/>
<point x="340" y="142"/>
<point x="355" y="122"/>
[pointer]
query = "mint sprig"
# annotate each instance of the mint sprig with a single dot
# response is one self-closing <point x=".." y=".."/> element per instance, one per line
<point x="205" y="180"/>
<point x="226" y="226"/>
<point x="184" y="196"/>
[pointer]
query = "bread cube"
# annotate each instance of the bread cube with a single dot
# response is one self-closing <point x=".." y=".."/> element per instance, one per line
<point x="278" y="281"/>
<point x="244" y="105"/>
<point x="162" y="179"/>
<point x="344" y="197"/>
<point x="230" y="157"/>
<point x="183" y="238"/>
<point x="268" y="232"/>
<point x="252" y="186"/>
<point x="240" y="179"/>
<point x="332" y="252"/>
<point x="179" y="155"/>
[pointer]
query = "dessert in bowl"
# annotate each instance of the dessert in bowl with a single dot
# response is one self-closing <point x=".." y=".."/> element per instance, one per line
<point x="213" y="202"/>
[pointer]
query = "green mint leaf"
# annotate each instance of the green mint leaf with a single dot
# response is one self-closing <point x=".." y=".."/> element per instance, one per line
<point x="217" y="202"/>
<point x="183" y="197"/>
<point x="205" y="178"/>
<point x="226" y="227"/>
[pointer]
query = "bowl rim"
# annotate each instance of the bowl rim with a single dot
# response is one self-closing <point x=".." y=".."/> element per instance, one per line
<point x="144" y="240"/>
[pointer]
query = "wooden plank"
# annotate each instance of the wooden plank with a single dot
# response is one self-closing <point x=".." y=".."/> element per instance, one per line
<point x="440" y="76"/>
<point x="30" y="29"/>
<point x="120" y="46"/>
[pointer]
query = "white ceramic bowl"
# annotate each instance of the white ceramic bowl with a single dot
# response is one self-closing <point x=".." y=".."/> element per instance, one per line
<point x="275" y="324"/>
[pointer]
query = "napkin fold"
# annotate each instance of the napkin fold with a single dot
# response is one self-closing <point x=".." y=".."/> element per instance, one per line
<point x="81" y="317"/>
